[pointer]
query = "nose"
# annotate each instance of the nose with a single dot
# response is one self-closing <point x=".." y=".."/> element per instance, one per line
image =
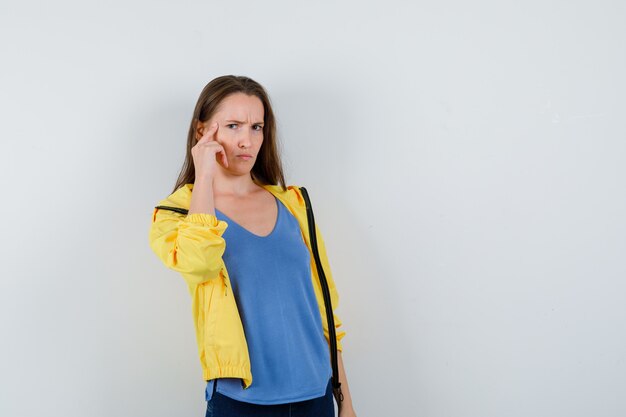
<point x="244" y="139"/>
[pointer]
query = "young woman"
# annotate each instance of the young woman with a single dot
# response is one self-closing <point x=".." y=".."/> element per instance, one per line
<point x="239" y="237"/>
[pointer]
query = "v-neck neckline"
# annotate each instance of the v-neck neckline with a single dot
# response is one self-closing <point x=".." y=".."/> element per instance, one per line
<point x="248" y="231"/>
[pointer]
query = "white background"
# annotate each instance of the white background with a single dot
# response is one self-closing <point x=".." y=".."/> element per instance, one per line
<point x="465" y="161"/>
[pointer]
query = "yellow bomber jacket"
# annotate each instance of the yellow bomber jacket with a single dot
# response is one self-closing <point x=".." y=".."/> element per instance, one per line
<point x="192" y="245"/>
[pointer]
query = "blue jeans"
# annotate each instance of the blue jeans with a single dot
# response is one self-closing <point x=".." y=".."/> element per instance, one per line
<point x="223" y="406"/>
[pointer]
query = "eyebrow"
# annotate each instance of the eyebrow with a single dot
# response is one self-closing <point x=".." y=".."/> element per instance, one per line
<point x="237" y="121"/>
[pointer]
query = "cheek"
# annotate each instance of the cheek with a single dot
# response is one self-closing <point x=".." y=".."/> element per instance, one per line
<point x="230" y="150"/>
<point x="227" y="139"/>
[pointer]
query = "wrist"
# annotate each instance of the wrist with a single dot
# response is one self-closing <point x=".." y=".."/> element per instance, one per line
<point x="204" y="179"/>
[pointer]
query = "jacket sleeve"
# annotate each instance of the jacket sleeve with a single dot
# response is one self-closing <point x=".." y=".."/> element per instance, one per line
<point x="334" y="295"/>
<point x="190" y="244"/>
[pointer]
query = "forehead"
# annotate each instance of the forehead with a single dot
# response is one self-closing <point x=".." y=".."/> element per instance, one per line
<point x="241" y="106"/>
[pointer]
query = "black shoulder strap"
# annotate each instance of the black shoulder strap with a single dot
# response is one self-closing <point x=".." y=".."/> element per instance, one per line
<point x="176" y="209"/>
<point x="327" y="301"/>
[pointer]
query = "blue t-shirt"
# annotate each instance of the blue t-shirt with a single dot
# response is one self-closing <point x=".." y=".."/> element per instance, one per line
<point x="271" y="280"/>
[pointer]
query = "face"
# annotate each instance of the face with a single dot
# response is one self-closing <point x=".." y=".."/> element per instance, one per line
<point x="240" y="131"/>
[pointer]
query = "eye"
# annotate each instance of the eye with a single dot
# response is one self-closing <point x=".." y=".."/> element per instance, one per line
<point x="231" y="124"/>
<point x="259" y="127"/>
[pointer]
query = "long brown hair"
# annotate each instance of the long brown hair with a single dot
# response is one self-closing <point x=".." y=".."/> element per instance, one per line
<point x="267" y="168"/>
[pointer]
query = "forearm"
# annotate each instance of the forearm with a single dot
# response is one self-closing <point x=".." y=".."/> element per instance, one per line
<point x="345" y="390"/>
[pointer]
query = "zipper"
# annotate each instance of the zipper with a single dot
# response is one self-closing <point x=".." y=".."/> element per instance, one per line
<point x="224" y="283"/>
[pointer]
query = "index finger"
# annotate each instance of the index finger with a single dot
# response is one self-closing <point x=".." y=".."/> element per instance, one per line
<point x="210" y="132"/>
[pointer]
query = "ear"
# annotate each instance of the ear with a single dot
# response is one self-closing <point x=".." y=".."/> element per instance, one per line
<point x="199" y="129"/>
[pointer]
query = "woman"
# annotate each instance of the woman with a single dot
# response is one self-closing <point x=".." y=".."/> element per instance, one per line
<point x="239" y="237"/>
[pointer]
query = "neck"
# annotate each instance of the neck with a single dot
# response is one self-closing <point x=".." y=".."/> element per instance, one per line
<point x="234" y="185"/>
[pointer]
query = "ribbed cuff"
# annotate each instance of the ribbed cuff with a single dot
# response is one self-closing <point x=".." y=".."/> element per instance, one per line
<point x="203" y="218"/>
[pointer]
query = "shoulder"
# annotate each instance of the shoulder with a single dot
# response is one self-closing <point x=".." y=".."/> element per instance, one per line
<point x="292" y="195"/>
